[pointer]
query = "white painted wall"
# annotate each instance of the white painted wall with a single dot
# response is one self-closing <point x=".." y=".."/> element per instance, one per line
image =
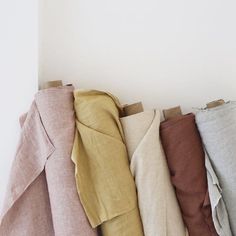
<point x="161" y="52"/>
<point x="18" y="74"/>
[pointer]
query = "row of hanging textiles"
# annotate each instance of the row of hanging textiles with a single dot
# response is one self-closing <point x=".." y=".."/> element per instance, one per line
<point x="86" y="165"/>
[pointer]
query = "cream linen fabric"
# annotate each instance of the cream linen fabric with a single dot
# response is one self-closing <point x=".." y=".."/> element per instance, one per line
<point x="104" y="182"/>
<point x="41" y="199"/>
<point x="158" y="205"/>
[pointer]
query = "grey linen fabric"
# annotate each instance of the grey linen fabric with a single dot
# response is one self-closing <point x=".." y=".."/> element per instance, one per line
<point x="42" y="199"/>
<point x="217" y="127"/>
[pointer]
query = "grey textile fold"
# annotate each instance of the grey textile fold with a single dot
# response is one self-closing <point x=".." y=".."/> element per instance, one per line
<point x="42" y="199"/>
<point x="217" y="127"/>
<point x="219" y="213"/>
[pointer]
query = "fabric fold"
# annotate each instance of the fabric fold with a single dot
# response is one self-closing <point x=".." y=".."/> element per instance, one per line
<point x="158" y="205"/>
<point x="104" y="182"/>
<point x="217" y="127"/>
<point x="186" y="160"/>
<point x="42" y="197"/>
<point x="219" y="211"/>
<point x="27" y="179"/>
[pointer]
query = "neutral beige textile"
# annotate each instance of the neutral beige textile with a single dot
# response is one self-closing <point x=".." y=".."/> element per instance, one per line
<point x="158" y="205"/>
<point x="104" y="181"/>
<point x="41" y="199"/>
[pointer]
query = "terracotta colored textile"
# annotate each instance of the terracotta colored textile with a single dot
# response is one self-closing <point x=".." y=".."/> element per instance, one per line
<point x="158" y="204"/>
<point x="186" y="161"/>
<point x="41" y="199"/>
<point x="104" y="181"/>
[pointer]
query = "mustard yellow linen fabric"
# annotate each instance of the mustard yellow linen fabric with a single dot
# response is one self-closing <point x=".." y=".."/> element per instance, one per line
<point x="104" y="182"/>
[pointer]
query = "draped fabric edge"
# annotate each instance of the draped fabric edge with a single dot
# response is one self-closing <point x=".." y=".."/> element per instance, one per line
<point x="114" y="98"/>
<point x="99" y="220"/>
<point x="152" y="122"/>
<point x="211" y="176"/>
<point x="154" y="114"/>
<point x="13" y="194"/>
<point x="74" y="154"/>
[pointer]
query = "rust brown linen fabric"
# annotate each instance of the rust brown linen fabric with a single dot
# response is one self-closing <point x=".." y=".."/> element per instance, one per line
<point x="186" y="160"/>
<point x="41" y="199"/>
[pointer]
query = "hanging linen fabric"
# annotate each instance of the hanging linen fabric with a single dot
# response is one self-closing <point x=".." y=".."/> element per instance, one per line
<point x="158" y="205"/>
<point x="105" y="184"/>
<point x="41" y="198"/>
<point x="217" y="127"/>
<point x="186" y="160"/>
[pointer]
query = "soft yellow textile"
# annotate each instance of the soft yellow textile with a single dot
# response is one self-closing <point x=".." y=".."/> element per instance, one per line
<point x="104" y="182"/>
<point x="126" y="225"/>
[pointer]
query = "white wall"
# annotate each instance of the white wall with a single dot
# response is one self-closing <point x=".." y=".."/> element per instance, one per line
<point x="18" y="74"/>
<point x="161" y="52"/>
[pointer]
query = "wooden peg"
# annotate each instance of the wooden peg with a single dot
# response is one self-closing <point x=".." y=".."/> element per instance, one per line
<point x="132" y="109"/>
<point x="215" y="103"/>
<point x="53" y="83"/>
<point x="172" y="112"/>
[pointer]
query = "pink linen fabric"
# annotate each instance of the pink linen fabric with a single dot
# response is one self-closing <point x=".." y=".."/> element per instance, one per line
<point x="41" y="198"/>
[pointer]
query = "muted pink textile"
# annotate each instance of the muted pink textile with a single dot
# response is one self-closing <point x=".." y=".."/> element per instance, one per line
<point x="42" y="199"/>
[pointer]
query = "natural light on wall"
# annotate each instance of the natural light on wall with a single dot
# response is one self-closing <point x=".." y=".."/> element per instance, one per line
<point x="164" y="53"/>
<point x="18" y="73"/>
